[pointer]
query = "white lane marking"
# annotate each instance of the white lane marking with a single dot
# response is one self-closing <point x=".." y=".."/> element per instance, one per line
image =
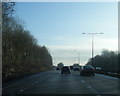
<point x="12" y="84"/>
<point x="90" y="87"/>
<point x="20" y="91"/>
<point x="28" y="86"/>
<point x="36" y="82"/>
<point x="24" y="78"/>
<point x="24" y="88"/>
<point x="32" y="84"/>
<point x="82" y="81"/>
<point x="20" y="82"/>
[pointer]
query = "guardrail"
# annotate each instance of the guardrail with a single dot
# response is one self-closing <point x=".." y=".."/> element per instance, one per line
<point x="109" y="73"/>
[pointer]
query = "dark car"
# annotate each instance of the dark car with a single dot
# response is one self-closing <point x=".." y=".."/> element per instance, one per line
<point x="65" y="69"/>
<point x="87" y="70"/>
<point x="98" y="69"/>
<point x="80" y="67"/>
<point x="57" y="68"/>
<point x="76" y="69"/>
<point x="71" y="67"/>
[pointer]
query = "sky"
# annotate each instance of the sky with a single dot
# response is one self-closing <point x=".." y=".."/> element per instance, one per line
<point x="59" y="27"/>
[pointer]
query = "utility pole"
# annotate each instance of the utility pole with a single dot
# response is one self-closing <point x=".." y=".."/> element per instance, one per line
<point x="79" y="58"/>
<point x="74" y="56"/>
<point x="92" y="44"/>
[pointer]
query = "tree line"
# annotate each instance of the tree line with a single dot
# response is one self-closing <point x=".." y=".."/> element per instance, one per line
<point x="21" y="55"/>
<point x="108" y="61"/>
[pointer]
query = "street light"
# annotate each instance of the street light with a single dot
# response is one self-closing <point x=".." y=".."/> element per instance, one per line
<point x="74" y="56"/>
<point x="79" y="58"/>
<point x="92" y="43"/>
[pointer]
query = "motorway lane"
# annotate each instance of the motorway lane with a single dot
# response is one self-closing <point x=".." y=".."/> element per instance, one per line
<point x="52" y="82"/>
<point x="16" y="86"/>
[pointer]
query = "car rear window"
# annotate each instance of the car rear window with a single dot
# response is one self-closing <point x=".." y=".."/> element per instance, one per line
<point x="65" y="68"/>
<point x="88" y="67"/>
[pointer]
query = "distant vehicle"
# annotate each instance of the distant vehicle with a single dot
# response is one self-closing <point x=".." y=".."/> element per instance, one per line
<point x="98" y="69"/>
<point x="76" y="69"/>
<point x="65" y="69"/>
<point x="71" y="67"/>
<point x="60" y="65"/>
<point x="87" y="70"/>
<point x="57" y="68"/>
<point x="80" y="67"/>
<point x="76" y="65"/>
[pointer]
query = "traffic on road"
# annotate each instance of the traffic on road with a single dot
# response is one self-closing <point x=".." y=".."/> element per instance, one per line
<point x="53" y="82"/>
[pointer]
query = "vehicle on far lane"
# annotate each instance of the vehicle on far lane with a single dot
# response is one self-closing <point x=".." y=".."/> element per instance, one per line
<point x="87" y="70"/>
<point x="80" y="67"/>
<point x="71" y="68"/>
<point x="98" y="69"/>
<point x="76" y="69"/>
<point x="65" y="69"/>
<point x="57" y="68"/>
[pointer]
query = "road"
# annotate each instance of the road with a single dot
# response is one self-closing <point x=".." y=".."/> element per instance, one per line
<point x="52" y="82"/>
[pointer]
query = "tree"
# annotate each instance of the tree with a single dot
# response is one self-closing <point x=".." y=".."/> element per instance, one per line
<point x="21" y="54"/>
<point x="108" y="61"/>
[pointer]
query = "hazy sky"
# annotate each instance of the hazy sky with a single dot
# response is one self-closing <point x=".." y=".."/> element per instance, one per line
<point x="59" y="26"/>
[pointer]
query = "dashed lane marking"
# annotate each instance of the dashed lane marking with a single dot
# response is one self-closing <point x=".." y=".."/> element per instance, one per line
<point x="82" y="81"/>
<point x="90" y="87"/>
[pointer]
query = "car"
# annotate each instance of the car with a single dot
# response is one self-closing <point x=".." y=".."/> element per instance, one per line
<point x="98" y="69"/>
<point x="65" y="69"/>
<point x="87" y="70"/>
<point x="80" y="67"/>
<point x="71" y="68"/>
<point x="76" y="69"/>
<point x="57" y="68"/>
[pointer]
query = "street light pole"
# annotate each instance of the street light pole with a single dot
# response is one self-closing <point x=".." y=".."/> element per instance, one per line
<point x="79" y="58"/>
<point x="92" y="44"/>
<point x="74" y="56"/>
<point x="92" y="48"/>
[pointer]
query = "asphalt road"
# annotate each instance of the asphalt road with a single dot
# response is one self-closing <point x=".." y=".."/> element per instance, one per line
<point x="53" y="82"/>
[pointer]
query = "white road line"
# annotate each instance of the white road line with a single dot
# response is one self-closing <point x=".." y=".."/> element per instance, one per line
<point x="12" y="84"/>
<point x="90" y="87"/>
<point x="21" y="90"/>
<point x="98" y="95"/>
<point x="20" y="82"/>
<point x="36" y="82"/>
<point x="24" y="78"/>
<point x="31" y="85"/>
<point x="24" y="88"/>
<point x="82" y="81"/>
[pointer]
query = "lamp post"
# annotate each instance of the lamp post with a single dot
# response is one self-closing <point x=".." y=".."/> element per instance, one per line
<point x="92" y="43"/>
<point x="79" y="58"/>
<point x="74" y="56"/>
